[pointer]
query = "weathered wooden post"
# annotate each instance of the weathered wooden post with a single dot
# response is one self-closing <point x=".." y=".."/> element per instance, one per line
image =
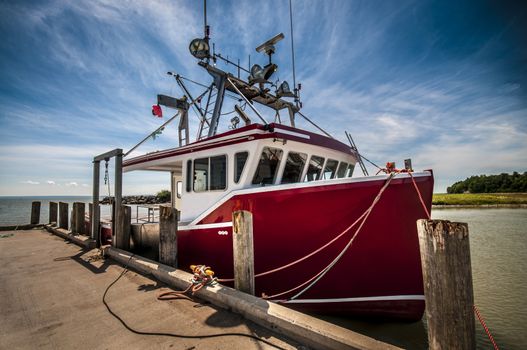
<point x="90" y="219"/>
<point x="63" y="215"/>
<point x="78" y="218"/>
<point x="447" y="279"/>
<point x="168" y="235"/>
<point x="35" y="213"/>
<point x="243" y="251"/>
<point x="126" y="226"/>
<point x="53" y="211"/>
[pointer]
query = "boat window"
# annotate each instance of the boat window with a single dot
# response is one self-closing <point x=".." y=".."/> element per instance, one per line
<point x="267" y="166"/>
<point x="349" y="173"/>
<point x="201" y="176"/>
<point x="330" y="169"/>
<point x="314" y="168"/>
<point x="218" y="173"/>
<point x="293" y="167"/>
<point x="189" y="176"/>
<point x="343" y="166"/>
<point x="240" y="159"/>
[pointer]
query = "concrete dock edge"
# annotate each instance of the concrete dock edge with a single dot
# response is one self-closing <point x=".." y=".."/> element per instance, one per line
<point x="298" y="326"/>
<point x="82" y="241"/>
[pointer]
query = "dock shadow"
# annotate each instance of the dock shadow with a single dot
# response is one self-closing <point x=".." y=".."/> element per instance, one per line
<point x="86" y="263"/>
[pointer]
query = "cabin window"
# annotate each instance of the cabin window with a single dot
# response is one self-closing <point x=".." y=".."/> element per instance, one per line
<point x="210" y="173"/>
<point x="341" y="172"/>
<point x="330" y="169"/>
<point x="293" y="167"/>
<point x="267" y="166"/>
<point x="240" y="159"/>
<point x="349" y="173"/>
<point x="189" y="176"/>
<point x="201" y="174"/>
<point x="314" y="168"/>
<point x="218" y="173"/>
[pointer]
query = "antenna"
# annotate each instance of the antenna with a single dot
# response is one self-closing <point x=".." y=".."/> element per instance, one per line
<point x="268" y="46"/>
<point x="206" y="28"/>
<point x="295" y="89"/>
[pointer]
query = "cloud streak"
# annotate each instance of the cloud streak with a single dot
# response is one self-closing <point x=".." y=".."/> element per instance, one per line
<point x="411" y="79"/>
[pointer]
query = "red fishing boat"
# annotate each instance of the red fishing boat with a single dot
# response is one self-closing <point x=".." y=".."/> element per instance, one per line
<point x="324" y="241"/>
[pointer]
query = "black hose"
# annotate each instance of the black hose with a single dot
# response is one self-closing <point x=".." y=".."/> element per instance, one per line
<point x="175" y="335"/>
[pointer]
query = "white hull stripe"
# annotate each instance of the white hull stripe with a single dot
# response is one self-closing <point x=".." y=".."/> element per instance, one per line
<point x="206" y="226"/>
<point x="332" y="182"/>
<point x="347" y="300"/>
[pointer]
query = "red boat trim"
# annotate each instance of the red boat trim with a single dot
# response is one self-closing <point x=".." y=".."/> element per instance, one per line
<point x="346" y="300"/>
<point x="280" y="131"/>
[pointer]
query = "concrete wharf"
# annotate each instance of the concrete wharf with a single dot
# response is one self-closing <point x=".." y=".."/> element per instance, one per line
<point x="51" y="298"/>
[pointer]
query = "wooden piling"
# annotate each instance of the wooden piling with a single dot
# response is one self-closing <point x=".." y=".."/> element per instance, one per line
<point x="447" y="279"/>
<point x="168" y="235"/>
<point x="127" y="226"/>
<point x="53" y="213"/>
<point x="78" y="218"/>
<point x="90" y="219"/>
<point x="243" y="251"/>
<point x="63" y="215"/>
<point x="35" y="213"/>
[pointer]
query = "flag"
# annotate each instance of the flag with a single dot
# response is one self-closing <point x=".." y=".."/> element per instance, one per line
<point x="156" y="110"/>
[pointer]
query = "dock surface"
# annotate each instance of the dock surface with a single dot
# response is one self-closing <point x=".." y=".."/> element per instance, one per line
<point x="51" y="298"/>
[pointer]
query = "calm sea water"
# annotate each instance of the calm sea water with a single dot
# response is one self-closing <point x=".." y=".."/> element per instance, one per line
<point x="498" y="247"/>
<point x="17" y="210"/>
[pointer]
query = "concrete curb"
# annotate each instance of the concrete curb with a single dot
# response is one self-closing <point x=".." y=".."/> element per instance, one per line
<point x="300" y="327"/>
<point x="82" y="241"/>
<point x="20" y="227"/>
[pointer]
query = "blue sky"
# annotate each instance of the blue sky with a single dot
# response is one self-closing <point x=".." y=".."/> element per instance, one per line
<point x="441" y="82"/>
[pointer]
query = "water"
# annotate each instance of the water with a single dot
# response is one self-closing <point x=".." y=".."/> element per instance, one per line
<point x="17" y="210"/>
<point x="498" y="247"/>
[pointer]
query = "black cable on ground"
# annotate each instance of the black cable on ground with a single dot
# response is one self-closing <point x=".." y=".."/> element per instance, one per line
<point x="175" y="335"/>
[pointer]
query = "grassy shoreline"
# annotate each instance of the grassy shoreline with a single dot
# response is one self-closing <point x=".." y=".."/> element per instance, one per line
<point x="480" y="199"/>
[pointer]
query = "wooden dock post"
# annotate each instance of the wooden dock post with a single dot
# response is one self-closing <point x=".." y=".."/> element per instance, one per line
<point x="53" y="213"/>
<point x="126" y="226"/>
<point x="78" y="218"/>
<point x="168" y="235"/>
<point x="90" y="219"/>
<point x="447" y="279"/>
<point x="35" y="213"/>
<point x="243" y="251"/>
<point x="63" y="215"/>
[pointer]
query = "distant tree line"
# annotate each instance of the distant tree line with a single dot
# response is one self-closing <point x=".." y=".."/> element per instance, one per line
<point x="491" y="184"/>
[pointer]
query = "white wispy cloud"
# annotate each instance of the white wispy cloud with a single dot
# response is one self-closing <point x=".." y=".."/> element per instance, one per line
<point x="95" y="68"/>
<point x="30" y="182"/>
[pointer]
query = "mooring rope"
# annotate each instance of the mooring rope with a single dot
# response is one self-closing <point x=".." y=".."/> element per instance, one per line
<point x="313" y="280"/>
<point x="420" y="196"/>
<point x="482" y="321"/>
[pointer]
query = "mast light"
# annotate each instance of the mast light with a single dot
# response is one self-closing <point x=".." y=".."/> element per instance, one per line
<point x="199" y="48"/>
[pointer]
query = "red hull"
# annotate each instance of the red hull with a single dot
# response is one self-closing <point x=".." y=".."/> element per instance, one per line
<point x="380" y="274"/>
